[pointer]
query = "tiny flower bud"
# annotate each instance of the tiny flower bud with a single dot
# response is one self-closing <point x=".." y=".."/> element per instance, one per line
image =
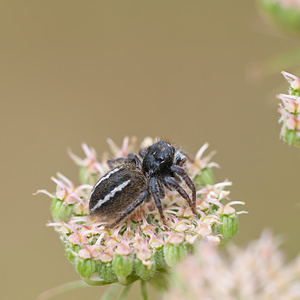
<point x="229" y="227"/>
<point x="296" y="86"/>
<point x="205" y="177"/>
<point x="292" y="138"/>
<point x="60" y="211"/>
<point x="86" y="268"/>
<point x="180" y="226"/>
<point x="122" y="266"/>
<point x="204" y="230"/>
<point x="106" y="272"/>
<point x="86" y="177"/>
<point x="145" y="272"/>
<point x="173" y="254"/>
<point x="105" y="257"/>
<point x="159" y="258"/>
<point x="71" y="253"/>
<point x="289" y="110"/>
<point x="123" y="249"/>
<point x="296" y="92"/>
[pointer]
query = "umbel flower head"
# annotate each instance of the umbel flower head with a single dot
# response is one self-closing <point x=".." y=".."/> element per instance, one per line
<point x="141" y="246"/>
<point x="257" y="272"/>
<point x="285" y="14"/>
<point x="289" y="110"/>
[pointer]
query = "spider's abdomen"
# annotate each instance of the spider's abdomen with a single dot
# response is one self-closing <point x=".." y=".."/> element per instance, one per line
<point x="116" y="191"/>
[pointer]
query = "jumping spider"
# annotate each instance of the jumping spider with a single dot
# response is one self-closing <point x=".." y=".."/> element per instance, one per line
<point x="133" y="181"/>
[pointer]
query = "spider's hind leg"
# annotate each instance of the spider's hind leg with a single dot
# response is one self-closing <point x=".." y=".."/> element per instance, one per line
<point x="131" y="208"/>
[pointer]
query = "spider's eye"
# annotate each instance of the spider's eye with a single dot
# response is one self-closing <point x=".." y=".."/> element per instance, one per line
<point x="160" y="159"/>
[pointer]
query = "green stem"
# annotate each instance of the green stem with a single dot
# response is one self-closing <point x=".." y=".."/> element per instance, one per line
<point x="61" y="289"/>
<point x="143" y="289"/>
<point x="111" y="292"/>
<point x="125" y="292"/>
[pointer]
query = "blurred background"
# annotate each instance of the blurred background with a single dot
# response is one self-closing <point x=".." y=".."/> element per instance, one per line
<point x="83" y="71"/>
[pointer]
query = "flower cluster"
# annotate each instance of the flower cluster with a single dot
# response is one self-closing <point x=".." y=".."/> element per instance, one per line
<point x="141" y="247"/>
<point x="257" y="272"/>
<point x="284" y="13"/>
<point x="289" y="110"/>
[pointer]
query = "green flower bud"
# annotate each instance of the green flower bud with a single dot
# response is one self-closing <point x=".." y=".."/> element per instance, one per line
<point x="106" y="272"/>
<point x="205" y="177"/>
<point x="295" y="92"/>
<point x="60" y="211"/>
<point x="173" y="254"/>
<point x="159" y="258"/>
<point x="87" y="178"/>
<point x="69" y="252"/>
<point x="145" y="272"/>
<point x="229" y="227"/>
<point x="86" y="268"/>
<point x="291" y="137"/>
<point x="122" y="266"/>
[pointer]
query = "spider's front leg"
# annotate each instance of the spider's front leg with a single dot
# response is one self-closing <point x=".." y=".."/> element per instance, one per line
<point x="172" y="184"/>
<point x="154" y="192"/>
<point x="181" y="172"/>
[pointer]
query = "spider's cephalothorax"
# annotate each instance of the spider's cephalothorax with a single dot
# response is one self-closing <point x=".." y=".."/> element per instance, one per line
<point x="158" y="159"/>
<point x="133" y="181"/>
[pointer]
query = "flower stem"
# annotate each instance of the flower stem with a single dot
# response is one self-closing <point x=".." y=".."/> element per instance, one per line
<point x="125" y="292"/>
<point x="111" y="292"/>
<point x="143" y="289"/>
<point x="61" y="289"/>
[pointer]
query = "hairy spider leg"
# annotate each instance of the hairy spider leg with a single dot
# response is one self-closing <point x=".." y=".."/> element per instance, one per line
<point x="131" y="158"/>
<point x="181" y="172"/>
<point x="153" y="190"/>
<point x="171" y="183"/>
<point x="130" y="209"/>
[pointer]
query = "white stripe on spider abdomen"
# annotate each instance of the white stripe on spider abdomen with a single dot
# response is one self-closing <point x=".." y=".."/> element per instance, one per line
<point x="116" y="191"/>
<point x="119" y="188"/>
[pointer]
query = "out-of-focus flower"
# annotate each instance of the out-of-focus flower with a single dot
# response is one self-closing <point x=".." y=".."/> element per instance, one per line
<point x="90" y="168"/>
<point x="140" y="247"/>
<point x="68" y="199"/>
<point x="256" y="272"/>
<point x="201" y="169"/>
<point x="289" y="110"/>
<point x="285" y="14"/>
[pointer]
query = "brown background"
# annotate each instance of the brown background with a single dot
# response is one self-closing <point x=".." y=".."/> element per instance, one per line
<point x="82" y="71"/>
